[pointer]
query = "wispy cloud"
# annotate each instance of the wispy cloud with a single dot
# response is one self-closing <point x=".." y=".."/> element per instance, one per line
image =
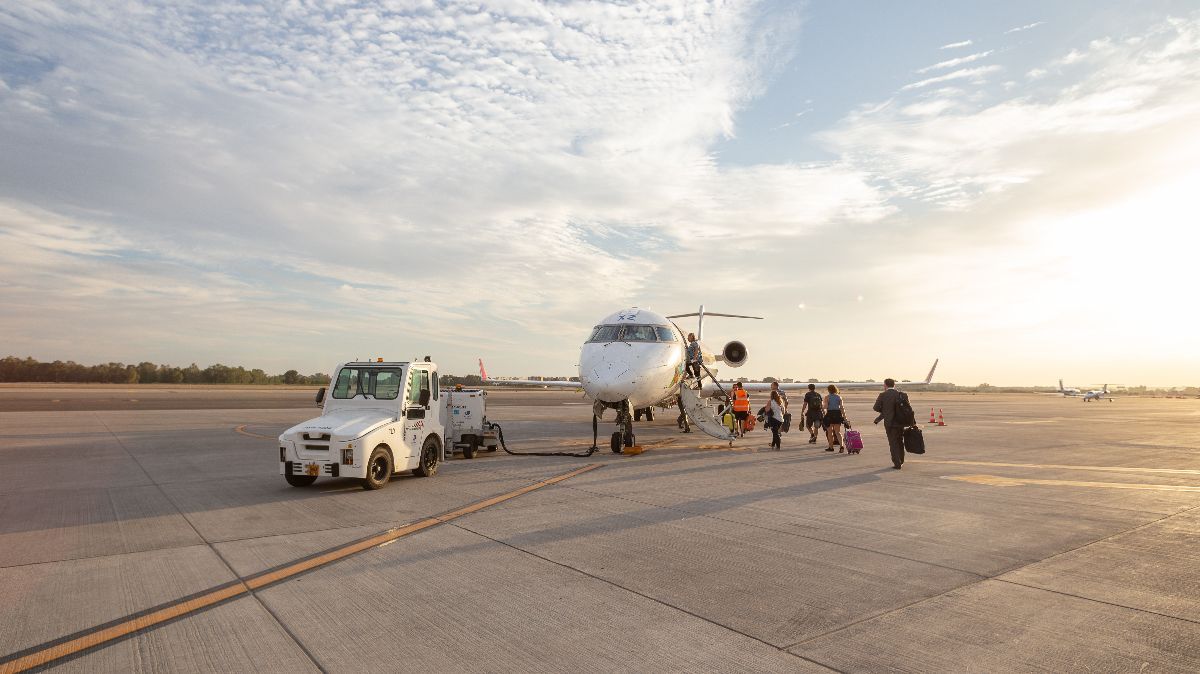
<point x="951" y="63"/>
<point x="970" y="74"/>
<point x="949" y="148"/>
<point x="956" y="45"/>
<point x="1027" y="26"/>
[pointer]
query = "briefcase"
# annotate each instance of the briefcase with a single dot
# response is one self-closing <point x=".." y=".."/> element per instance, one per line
<point x="914" y="441"/>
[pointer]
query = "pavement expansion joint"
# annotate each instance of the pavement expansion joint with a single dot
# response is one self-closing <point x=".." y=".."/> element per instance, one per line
<point x="632" y="591"/>
<point x="997" y="578"/>
<point x="104" y="635"/>
<point x="1093" y="599"/>
<point x="782" y="531"/>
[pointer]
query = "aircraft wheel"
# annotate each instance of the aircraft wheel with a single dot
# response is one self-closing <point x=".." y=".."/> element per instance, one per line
<point x="649" y="414"/>
<point x="379" y="469"/>
<point x="637" y="415"/>
<point x="428" y="465"/>
<point x="300" y="480"/>
<point x="629" y="439"/>
<point x="615" y="444"/>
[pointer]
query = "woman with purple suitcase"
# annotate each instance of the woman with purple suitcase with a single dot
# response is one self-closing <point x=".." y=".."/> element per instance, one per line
<point x="834" y="416"/>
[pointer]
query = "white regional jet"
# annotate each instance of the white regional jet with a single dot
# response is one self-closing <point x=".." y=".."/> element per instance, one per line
<point x="1088" y="396"/>
<point x="1068" y="392"/>
<point x="634" y="360"/>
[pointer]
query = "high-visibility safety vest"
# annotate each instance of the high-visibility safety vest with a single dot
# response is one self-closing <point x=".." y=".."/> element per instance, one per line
<point x="741" y="401"/>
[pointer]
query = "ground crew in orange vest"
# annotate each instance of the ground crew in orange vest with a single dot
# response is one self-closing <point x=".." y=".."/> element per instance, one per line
<point x="741" y="407"/>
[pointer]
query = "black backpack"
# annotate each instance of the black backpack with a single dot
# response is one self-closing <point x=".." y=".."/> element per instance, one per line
<point x="814" y="402"/>
<point x="905" y="416"/>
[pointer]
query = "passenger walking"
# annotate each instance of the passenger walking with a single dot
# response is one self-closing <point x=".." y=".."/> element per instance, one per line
<point x="787" y="416"/>
<point x="811" y="412"/>
<point x="693" y="356"/>
<point x="834" y="416"/>
<point x="741" y="407"/>
<point x="775" y="419"/>
<point x="896" y="414"/>
<point x="782" y="396"/>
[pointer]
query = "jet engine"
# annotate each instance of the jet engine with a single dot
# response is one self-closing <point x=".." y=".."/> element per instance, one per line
<point x="734" y="354"/>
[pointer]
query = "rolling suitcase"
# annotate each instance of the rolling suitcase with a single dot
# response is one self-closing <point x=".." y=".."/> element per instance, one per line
<point x="729" y="421"/>
<point x="854" y="443"/>
<point x="914" y="441"/>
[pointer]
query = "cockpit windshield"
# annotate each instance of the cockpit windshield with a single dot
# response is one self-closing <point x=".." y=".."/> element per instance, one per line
<point x="605" y="333"/>
<point x="639" y="333"/>
<point x="373" y="382"/>
<point x="632" y="333"/>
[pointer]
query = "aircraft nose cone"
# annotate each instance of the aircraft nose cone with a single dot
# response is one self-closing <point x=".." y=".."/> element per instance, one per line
<point x="607" y="378"/>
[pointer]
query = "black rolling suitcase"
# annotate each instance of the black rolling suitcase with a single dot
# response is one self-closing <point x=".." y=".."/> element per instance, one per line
<point x="914" y="441"/>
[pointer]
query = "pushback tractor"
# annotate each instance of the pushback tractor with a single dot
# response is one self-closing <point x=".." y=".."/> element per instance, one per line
<point x="379" y="418"/>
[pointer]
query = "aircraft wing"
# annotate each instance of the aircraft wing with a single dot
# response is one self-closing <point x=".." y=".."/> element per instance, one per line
<point x="526" y="382"/>
<point x="535" y="382"/>
<point x="800" y="386"/>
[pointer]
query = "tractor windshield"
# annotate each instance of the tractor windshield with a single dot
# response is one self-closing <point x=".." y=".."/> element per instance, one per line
<point x="379" y="383"/>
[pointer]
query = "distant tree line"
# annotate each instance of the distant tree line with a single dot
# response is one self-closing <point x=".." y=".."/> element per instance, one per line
<point x="13" y="369"/>
<point x="472" y="380"/>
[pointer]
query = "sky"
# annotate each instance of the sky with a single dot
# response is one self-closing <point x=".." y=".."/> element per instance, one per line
<point x="1011" y="187"/>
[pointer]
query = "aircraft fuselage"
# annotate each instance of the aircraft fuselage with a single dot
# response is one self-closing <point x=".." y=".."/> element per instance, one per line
<point x="633" y="355"/>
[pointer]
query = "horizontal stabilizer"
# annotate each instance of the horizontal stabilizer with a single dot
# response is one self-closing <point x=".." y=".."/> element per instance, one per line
<point x="710" y="313"/>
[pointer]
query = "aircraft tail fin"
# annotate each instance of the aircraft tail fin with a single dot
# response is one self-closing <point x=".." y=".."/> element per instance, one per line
<point x="482" y="371"/>
<point x="929" y="377"/>
<point x="1060" y="387"/>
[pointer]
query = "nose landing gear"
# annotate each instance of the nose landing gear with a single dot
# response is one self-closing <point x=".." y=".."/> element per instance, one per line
<point x="624" y="436"/>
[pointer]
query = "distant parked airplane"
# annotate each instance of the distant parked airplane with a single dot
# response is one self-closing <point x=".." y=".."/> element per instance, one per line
<point x="1097" y="395"/>
<point x="1088" y="396"/>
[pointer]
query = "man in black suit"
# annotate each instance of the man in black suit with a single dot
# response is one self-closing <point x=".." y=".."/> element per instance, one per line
<point x="894" y="421"/>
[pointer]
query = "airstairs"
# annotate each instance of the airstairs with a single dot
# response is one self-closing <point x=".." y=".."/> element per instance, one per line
<point x="702" y="413"/>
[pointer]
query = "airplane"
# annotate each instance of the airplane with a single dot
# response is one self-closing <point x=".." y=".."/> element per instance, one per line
<point x="1088" y="396"/>
<point x="634" y="360"/>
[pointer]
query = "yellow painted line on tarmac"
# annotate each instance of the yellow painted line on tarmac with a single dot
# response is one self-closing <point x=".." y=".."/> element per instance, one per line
<point x="242" y="429"/>
<point x="997" y="481"/>
<point x="101" y="635"/>
<point x="1057" y="466"/>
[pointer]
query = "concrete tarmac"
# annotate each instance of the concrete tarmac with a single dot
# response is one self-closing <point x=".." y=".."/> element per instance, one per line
<point x="1037" y="534"/>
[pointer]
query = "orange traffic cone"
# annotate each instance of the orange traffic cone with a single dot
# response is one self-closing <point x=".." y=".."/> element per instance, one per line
<point x="941" y="421"/>
<point x="931" y="419"/>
